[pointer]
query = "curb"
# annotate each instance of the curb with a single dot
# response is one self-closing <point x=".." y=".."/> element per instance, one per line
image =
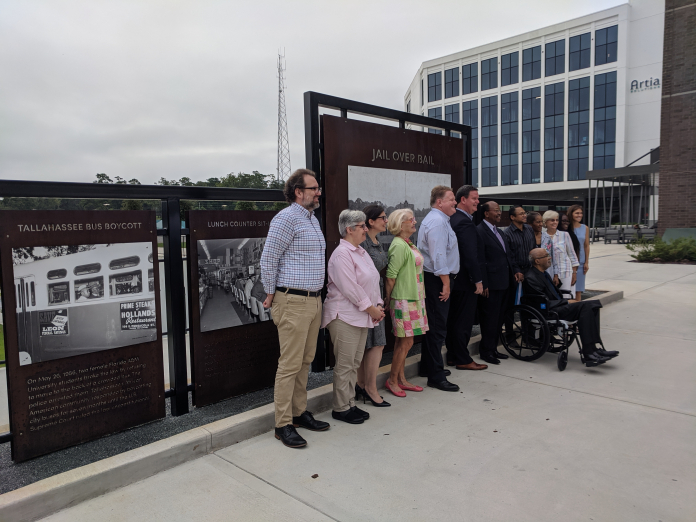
<point x="64" y="490"/>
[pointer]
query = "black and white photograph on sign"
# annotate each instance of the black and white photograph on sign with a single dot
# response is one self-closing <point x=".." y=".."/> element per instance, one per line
<point x="393" y="189"/>
<point x="229" y="283"/>
<point x="77" y="299"/>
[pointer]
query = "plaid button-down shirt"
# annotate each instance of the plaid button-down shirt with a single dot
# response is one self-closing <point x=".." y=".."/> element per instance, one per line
<point x="293" y="256"/>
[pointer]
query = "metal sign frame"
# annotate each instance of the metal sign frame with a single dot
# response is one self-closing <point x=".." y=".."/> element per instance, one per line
<point x="171" y="232"/>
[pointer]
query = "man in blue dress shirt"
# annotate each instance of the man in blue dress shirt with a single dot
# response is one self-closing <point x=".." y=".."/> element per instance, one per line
<point x="438" y="244"/>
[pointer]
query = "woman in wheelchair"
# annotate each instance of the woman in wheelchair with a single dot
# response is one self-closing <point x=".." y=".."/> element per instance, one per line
<point x="538" y="284"/>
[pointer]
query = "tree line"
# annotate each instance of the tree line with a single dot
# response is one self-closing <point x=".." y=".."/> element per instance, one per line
<point x="231" y="180"/>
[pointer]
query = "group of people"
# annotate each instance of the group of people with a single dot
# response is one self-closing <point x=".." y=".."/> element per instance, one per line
<point x="435" y="287"/>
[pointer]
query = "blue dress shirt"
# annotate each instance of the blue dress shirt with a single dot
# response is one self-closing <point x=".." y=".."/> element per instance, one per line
<point x="438" y="244"/>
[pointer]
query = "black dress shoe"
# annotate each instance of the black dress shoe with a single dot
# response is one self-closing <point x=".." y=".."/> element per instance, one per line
<point x="307" y="421"/>
<point x="592" y="359"/>
<point x="364" y="414"/>
<point x="501" y="355"/>
<point x="607" y="353"/>
<point x="350" y="416"/>
<point x="444" y="385"/>
<point x="288" y="435"/>
<point x="447" y="372"/>
<point x="490" y="359"/>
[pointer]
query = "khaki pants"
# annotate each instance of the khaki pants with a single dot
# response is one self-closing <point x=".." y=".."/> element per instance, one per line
<point x="349" y="347"/>
<point x="298" y="319"/>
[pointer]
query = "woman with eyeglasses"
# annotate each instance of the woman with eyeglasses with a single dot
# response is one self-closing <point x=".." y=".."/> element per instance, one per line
<point x="405" y="296"/>
<point x="376" y="221"/>
<point x="564" y="261"/>
<point x="353" y="305"/>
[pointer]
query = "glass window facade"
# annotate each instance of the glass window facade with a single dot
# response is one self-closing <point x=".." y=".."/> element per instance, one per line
<point x="452" y="83"/>
<point x="579" y="52"/>
<point x="554" y="108"/>
<point x="606" y="41"/>
<point x="509" y="132"/>
<point x="489" y="141"/>
<point x="435" y="112"/>
<point x="531" y="135"/>
<point x="489" y="74"/>
<point x="422" y="91"/>
<point x="531" y="63"/>
<point x="555" y="58"/>
<point x="452" y="113"/>
<point x="470" y="118"/>
<point x="509" y="69"/>
<point x="435" y="86"/>
<point x="578" y="128"/>
<point x="470" y="78"/>
<point x="604" y="121"/>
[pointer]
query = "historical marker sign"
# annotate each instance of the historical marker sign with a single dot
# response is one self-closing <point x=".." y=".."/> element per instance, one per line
<point x="82" y="332"/>
<point x="368" y="163"/>
<point x="234" y="343"/>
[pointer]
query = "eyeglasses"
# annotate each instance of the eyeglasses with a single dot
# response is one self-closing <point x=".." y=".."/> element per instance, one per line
<point x="385" y="218"/>
<point x="363" y="226"/>
<point x="410" y="220"/>
<point x="315" y="189"/>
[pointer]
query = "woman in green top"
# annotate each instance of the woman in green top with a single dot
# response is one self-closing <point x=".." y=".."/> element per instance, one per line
<point x="405" y="296"/>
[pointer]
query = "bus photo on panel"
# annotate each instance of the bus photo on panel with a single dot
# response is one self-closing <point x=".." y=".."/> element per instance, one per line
<point x="229" y="283"/>
<point x="77" y="299"/>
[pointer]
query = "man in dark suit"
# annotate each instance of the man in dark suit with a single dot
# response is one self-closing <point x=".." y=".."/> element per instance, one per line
<point x="469" y="282"/>
<point x="499" y="273"/>
<point x="586" y="313"/>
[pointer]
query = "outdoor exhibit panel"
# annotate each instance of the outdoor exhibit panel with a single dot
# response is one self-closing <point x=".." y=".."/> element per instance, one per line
<point x="368" y="163"/>
<point x="82" y="331"/>
<point x="234" y="342"/>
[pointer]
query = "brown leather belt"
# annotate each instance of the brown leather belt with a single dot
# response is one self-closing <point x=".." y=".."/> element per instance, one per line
<point x="294" y="291"/>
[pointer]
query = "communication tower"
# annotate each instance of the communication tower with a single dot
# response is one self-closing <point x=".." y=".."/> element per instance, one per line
<point x="283" y="165"/>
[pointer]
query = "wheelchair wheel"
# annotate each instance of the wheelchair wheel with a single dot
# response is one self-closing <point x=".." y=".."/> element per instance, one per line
<point x="562" y="360"/>
<point x="529" y="338"/>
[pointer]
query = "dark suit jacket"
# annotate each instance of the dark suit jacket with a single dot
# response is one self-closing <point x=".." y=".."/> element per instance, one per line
<point x="498" y="261"/>
<point x="472" y="261"/>
<point x="535" y="282"/>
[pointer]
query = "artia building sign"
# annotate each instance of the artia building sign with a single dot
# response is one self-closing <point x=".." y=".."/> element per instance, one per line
<point x="646" y="85"/>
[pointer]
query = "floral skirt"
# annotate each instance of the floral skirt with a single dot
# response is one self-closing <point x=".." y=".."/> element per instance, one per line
<point x="408" y="317"/>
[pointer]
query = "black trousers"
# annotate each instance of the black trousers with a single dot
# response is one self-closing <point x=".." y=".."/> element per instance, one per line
<point x="490" y="316"/>
<point x="508" y="303"/>
<point x="586" y="313"/>
<point x="459" y="323"/>
<point x="431" y="365"/>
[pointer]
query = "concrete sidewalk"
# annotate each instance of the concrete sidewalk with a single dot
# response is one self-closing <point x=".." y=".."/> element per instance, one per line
<point x="522" y="441"/>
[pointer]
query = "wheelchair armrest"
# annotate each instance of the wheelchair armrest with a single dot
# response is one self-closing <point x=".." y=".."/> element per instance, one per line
<point x="566" y="292"/>
<point x="536" y="301"/>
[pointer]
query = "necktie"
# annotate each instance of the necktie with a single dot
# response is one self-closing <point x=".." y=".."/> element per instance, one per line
<point x="553" y="288"/>
<point x="502" y="243"/>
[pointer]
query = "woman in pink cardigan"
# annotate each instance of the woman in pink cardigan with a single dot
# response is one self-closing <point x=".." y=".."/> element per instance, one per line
<point x="353" y="305"/>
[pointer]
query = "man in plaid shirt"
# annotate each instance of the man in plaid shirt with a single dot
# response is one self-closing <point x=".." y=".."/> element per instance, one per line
<point x="292" y="272"/>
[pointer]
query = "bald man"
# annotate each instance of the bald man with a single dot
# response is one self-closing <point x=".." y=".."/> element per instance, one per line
<point x="586" y="313"/>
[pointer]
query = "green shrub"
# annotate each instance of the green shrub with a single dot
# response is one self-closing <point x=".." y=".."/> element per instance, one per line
<point x="675" y="250"/>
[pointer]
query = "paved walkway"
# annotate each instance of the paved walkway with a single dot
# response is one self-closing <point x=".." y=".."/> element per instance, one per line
<point x="522" y="441"/>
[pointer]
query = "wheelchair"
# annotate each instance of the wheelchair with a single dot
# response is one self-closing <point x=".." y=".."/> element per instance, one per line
<point x="537" y="330"/>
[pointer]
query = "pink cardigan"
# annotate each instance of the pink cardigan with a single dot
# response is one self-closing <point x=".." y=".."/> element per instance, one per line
<point x="353" y="286"/>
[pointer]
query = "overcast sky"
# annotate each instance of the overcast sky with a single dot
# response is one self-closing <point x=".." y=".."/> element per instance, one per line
<point x="148" y="88"/>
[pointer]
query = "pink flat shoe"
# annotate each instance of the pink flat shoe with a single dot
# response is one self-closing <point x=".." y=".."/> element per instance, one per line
<point x="411" y="388"/>
<point x="398" y="393"/>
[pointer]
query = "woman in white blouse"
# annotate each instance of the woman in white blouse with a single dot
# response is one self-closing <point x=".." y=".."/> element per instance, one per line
<point x="564" y="261"/>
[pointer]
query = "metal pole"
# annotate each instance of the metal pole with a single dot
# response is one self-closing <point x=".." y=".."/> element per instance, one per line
<point x="604" y="206"/>
<point x="611" y="203"/>
<point x="176" y="306"/>
<point x="594" y="213"/>
<point x="314" y="163"/>
<point x="589" y="204"/>
<point x="640" y="205"/>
